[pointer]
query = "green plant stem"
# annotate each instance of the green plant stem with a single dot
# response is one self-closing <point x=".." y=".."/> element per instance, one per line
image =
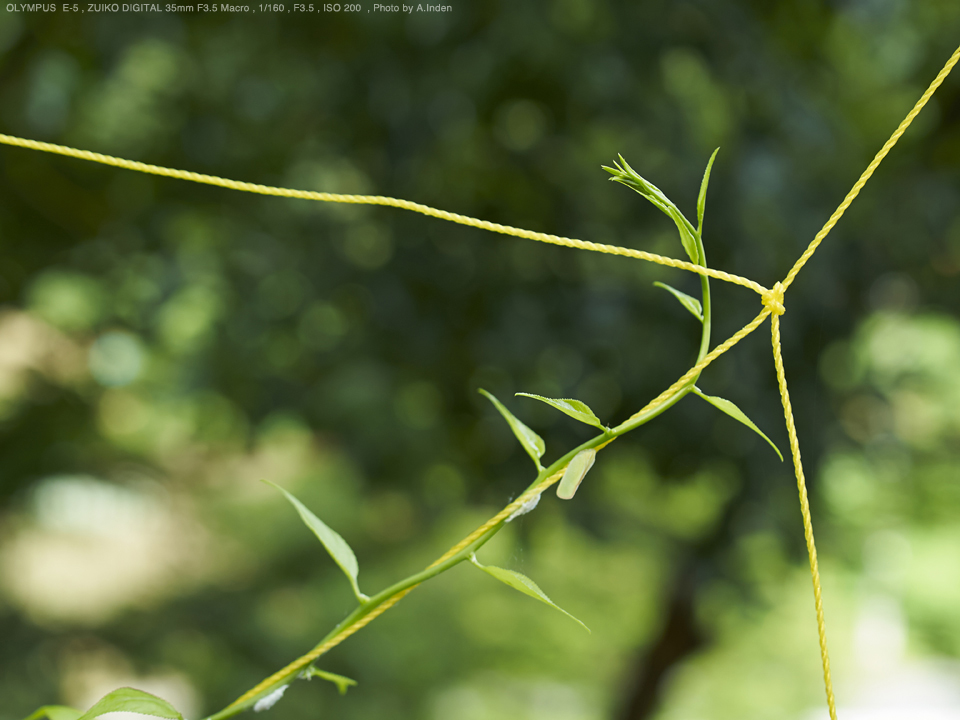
<point x="605" y="437"/>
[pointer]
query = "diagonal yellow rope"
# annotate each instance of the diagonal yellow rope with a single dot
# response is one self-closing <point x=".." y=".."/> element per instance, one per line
<point x="327" y="645"/>
<point x="772" y="301"/>
<point x="858" y="185"/>
<point x="536" y="490"/>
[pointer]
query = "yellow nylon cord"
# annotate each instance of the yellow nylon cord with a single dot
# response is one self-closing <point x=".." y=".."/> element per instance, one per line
<point x="373" y="200"/>
<point x="804" y="511"/>
<point x="772" y="300"/>
<point x="692" y="373"/>
<point x="303" y="661"/>
<point x="327" y="645"/>
<point x="858" y="186"/>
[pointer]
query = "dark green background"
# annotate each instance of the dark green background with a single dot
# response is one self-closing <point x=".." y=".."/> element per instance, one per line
<point x="338" y="351"/>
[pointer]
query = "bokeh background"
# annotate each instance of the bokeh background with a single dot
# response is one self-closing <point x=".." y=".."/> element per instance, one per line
<point x="164" y="346"/>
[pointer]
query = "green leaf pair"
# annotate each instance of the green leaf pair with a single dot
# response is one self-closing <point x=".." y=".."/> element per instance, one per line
<point x="737" y="414"/>
<point x="524" y="584"/>
<point x="122" y="700"/>
<point x="532" y="442"/>
<point x="338" y="548"/>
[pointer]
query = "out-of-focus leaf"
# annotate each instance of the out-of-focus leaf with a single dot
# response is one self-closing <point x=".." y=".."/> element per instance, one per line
<point x="737" y="414"/>
<point x="55" y="712"/>
<point x="131" y="700"/>
<point x="575" y="473"/>
<point x="524" y="584"/>
<point x="702" y="199"/>
<point x="690" y="303"/>
<point x="531" y="442"/>
<point x="340" y="681"/>
<point x="338" y="548"/>
<point x="574" y="408"/>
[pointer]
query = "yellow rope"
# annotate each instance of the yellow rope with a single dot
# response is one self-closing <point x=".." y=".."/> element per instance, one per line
<point x="858" y="186"/>
<point x="690" y="375"/>
<point x="804" y="511"/>
<point x="303" y="661"/>
<point x="772" y="300"/>
<point x="374" y="200"/>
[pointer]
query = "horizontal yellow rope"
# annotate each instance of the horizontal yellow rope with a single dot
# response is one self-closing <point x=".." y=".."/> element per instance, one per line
<point x="375" y="200"/>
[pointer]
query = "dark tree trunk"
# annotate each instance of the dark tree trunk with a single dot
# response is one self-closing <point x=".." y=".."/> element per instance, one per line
<point x="679" y="637"/>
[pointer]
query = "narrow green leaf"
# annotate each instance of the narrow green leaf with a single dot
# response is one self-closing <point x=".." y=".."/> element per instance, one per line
<point x="575" y="473"/>
<point x="337" y="547"/>
<point x="531" y="442"/>
<point x="702" y="199"/>
<point x="55" y="712"/>
<point x="524" y="584"/>
<point x="130" y="700"/>
<point x="690" y="303"/>
<point x="340" y="681"/>
<point x="737" y="414"/>
<point x="687" y="239"/>
<point x="574" y="408"/>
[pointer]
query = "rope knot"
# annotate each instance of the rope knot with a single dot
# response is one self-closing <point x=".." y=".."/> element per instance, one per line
<point x="773" y="299"/>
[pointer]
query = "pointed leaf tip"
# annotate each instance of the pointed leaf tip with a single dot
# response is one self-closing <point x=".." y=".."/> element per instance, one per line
<point x="521" y="582"/>
<point x="338" y="548"/>
<point x="702" y="198"/>
<point x="530" y="441"/>
<point x="131" y="700"/>
<point x="690" y="303"/>
<point x="737" y="414"/>
<point x="574" y="408"/>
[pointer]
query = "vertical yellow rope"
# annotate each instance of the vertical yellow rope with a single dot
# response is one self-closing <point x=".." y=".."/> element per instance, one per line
<point x="804" y="509"/>
<point x="773" y="299"/>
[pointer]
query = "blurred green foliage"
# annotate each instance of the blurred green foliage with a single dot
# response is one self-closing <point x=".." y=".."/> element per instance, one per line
<point x="164" y="346"/>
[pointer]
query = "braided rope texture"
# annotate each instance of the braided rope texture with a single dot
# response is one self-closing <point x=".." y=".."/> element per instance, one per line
<point x="772" y="300"/>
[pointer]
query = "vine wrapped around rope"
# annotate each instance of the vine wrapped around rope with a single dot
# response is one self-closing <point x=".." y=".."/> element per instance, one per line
<point x="773" y="306"/>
